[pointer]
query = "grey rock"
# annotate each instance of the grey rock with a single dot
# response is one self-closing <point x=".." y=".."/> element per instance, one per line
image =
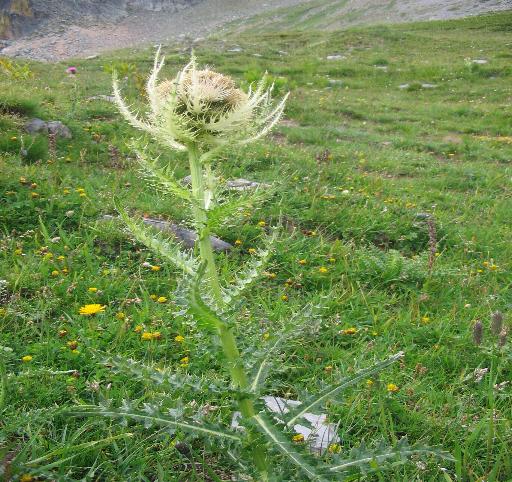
<point x="336" y="57"/>
<point x="185" y="236"/>
<point x="404" y="86"/>
<point x="35" y="126"/>
<point x="235" y="184"/>
<point x="106" y="98"/>
<point x="59" y="129"/>
<point x="479" y="61"/>
<point x="428" y="86"/>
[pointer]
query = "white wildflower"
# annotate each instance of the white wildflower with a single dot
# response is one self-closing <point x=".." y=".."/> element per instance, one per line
<point x="203" y="106"/>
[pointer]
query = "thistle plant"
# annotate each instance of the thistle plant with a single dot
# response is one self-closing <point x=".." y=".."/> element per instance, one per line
<point x="202" y="112"/>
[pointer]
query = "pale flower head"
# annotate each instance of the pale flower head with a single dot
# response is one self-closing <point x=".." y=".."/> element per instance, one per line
<point x="203" y="106"/>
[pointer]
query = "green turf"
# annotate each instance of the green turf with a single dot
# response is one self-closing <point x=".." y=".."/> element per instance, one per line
<point x="363" y="166"/>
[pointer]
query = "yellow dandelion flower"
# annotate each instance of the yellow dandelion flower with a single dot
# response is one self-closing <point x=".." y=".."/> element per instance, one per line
<point x="369" y="383"/>
<point x="185" y="359"/>
<point x="65" y="270"/>
<point x="34" y="194"/>
<point x="155" y="268"/>
<point x="26" y="478"/>
<point x="92" y="309"/>
<point x="262" y="224"/>
<point x="334" y="448"/>
<point x="332" y="260"/>
<point x="156" y="335"/>
<point x="3" y="311"/>
<point x="284" y="298"/>
<point x="425" y="320"/>
<point x="66" y="191"/>
<point x="328" y="368"/>
<point x="392" y="388"/>
<point x="238" y="242"/>
<point x="298" y="438"/>
<point x="179" y="339"/>
<point x="302" y="262"/>
<point x="27" y="358"/>
<point x="161" y="299"/>
<point x="266" y="336"/>
<point x="153" y="297"/>
<point x="349" y="331"/>
<point x="18" y="252"/>
<point x="138" y="329"/>
<point x="61" y="258"/>
<point x="72" y="345"/>
<point x="120" y="316"/>
<point x="92" y="289"/>
<point x="493" y="267"/>
<point x="147" y="335"/>
<point x="55" y="273"/>
<point x="270" y="275"/>
<point x="251" y="251"/>
<point x="323" y="269"/>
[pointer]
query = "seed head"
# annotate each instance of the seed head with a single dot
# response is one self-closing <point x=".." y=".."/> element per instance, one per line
<point x="496" y="322"/>
<point x="478" y="332"/>
<point x="202" y="106"/>
<point x="502" y="339"/>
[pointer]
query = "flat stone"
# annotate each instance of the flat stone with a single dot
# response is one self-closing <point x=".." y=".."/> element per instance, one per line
<point x="35" y="126"/>
<point x="480" y="61"/>
<point x="404" y="86"/>
<point x="319" y="434"/>
<point x="235" y="184"/>
<point x="185" y="236"/>
<point x="106" y="98"/>
<point x="428" y="86"/>
<point x="336" y="57"/>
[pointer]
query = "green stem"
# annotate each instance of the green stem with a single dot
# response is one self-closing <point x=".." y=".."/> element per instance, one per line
<point x="227" y="338"/>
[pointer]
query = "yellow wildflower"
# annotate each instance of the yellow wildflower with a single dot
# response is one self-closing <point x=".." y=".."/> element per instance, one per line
<point x="392" y="388"/>
<point x="302" y="262"/>
<point x="92" y="289"/>
<point x="369" y="383"/>
<point x="156" y="335"/>
<point x="138" y="329"/>
<point x="147" y="335"/>
<point x="266" y="336"/>
<point x="332" y="260"/>
<point x="334" y="448"/>
<point x="298" y="438"/>
<point x="26" y="359"/>
<point x="120" y="316"/>
<point x="251" y="251"/>
<point x="155" y="268"/>
<point x="323" y="269"/>
<point x="349" y="331"/>
<point x="72" y="345"/>
<point x="26" y="478"/>
<point x="238" y="242"/>
<point x="55" y="273"/>
<point x="34" y="194"/>
<point x="92" y="309"/>
<point x="179" y="339"/>
<point x="161" y="299"/>
<point x="425" y="319"/>
<point x="18" y="252"/>
<point x="153" y="297"/>
<point x="262" y="224"/>
<point x="284" y="298"/>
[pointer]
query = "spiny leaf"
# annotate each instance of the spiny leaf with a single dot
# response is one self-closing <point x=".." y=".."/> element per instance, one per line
<point x="282" y="444"/>
<point x="164" y="247"/>
<point x="363" y="458"/>
<point x="333" y="390"/>
<point x="250" y="274"/>
<point x="293" y="328"/>
<point x="152" y="416"/>
<point x="140" y="371"/>
<point x="201" y="312"/>
<point x="164" y="176"/>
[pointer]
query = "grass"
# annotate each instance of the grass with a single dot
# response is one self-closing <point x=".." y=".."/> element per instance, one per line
<point x="364" y="168"/>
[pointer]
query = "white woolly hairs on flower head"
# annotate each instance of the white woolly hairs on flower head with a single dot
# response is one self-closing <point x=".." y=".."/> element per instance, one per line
<point x="204" y="107"/>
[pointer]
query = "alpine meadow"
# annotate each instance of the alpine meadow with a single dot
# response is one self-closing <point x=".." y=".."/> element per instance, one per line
<point x="278" y="253"/>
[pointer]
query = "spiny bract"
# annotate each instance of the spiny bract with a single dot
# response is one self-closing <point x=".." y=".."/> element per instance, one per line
<point x="203" y="106"/>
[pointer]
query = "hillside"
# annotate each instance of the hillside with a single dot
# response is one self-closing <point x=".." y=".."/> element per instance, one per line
<point x="54" y="30"/>
<point x="391" y="186"/>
